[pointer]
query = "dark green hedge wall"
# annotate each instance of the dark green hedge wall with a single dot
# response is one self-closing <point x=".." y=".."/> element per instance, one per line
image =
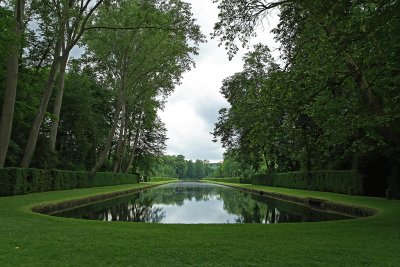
<point x="160" y="179"/>
<point x="235" y="180"/>
<point x="17" y="181"/>
<point x="346" y="182"/>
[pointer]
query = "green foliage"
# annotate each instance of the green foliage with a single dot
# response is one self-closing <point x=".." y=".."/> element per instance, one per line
<point x="18" y="181"/>
<point x="329" y="102"/>
<point x="161" y="179"/>
<point x="345" y="182"/>
<point x="179" y="167"/>
<point x="38" y="180"/>
<point x="230" y="167"/>
<point x="104" y="178"/>
<point x="136" y="49"/>
<point x="85" y="118"/>
<point x="64" y="179"/>
<point x="236" y="180"/>
<point x="7" y="36"/>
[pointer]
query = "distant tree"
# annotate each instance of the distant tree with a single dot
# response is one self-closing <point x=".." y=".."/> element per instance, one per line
<point x="182" y="168"/>
<point x="190" y="169"/>
<point x="199" y="169"/>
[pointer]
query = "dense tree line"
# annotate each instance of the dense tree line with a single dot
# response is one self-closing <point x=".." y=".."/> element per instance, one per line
<point x="98" y="111"/>
<point x="179" y="167"/>
<point x="333" y="100"/>
<point x="230" y="167"/>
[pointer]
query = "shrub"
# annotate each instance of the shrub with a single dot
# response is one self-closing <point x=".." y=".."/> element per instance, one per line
<point x="330" y="181"/>
<point x="17" y="181"/>
<point x="160" y="179"/>
<point x="39" y="180"/>
<point x="236" y="180"/>
<point x="7" y="179"/>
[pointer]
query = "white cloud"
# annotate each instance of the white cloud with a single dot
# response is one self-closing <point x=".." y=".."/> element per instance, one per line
<point x="192" y="109"/>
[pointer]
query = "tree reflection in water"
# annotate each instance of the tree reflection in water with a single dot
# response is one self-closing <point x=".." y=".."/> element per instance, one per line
<point x="134" y="208"/>
<point x="201" y="201"/>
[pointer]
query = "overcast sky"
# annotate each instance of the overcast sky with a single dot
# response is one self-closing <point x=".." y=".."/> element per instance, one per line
<point x="192" y="109"/>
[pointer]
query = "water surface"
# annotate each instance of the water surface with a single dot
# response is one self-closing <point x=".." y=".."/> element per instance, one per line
<point x="192" y="203"/>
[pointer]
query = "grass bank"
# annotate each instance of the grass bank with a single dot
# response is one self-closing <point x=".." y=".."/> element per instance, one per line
<point x="33" y="239"/>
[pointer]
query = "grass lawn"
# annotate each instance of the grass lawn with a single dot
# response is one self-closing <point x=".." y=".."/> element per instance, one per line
<point x="29" y="239"/>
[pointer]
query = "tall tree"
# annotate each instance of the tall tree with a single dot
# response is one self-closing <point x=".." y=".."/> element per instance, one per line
<point x="71" y="18"/>
<point x="155" y="31"/>
<point x="11" y="81"/>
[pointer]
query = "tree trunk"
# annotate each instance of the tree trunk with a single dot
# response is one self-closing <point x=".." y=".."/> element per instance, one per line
<point x="11" y="85"/>
<point x="127" y="143"/>
<point x="118" y="152"/>
<point x="34" y="132"/>
<point x="127" y="140"/>
<point x="390" y="131"/>
<point x="362" y="84"/>
<point x="135" y="143"/>
<point x="58" y="103"/>
<point x="103" y="154"/>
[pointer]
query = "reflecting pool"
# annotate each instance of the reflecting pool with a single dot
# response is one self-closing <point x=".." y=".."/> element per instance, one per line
<point x="192" y="203"/>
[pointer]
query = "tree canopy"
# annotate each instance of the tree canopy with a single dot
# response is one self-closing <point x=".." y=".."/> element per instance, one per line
<point x="98" y="111"/>
<point x="331" y="101"/>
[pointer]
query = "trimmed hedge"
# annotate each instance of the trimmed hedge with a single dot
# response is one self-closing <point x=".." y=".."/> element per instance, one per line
<point x="346" y="182"/>
<point x="161" y="179"/>
<point x="18" y="181"/>
<point x="236" y="180"/>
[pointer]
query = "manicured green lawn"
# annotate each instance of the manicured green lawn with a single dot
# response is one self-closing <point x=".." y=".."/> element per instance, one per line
<point x="29" y="239"/>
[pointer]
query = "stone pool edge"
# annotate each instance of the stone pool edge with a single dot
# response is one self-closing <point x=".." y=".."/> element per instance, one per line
<point x="351" y="210"/>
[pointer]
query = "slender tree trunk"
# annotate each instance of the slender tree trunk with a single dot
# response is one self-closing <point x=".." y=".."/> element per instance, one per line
<point x="127" y="138"/>
<point x="135" y="143"/>
<point x="34" y="132"/>
<point x="118" y="152"/>
<point x="58" y="103"/>
<point x="10" y="92"/>
<point x="117" y="157"/>
<point x="127" y="144"/>
<point x="101" y="159"/>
